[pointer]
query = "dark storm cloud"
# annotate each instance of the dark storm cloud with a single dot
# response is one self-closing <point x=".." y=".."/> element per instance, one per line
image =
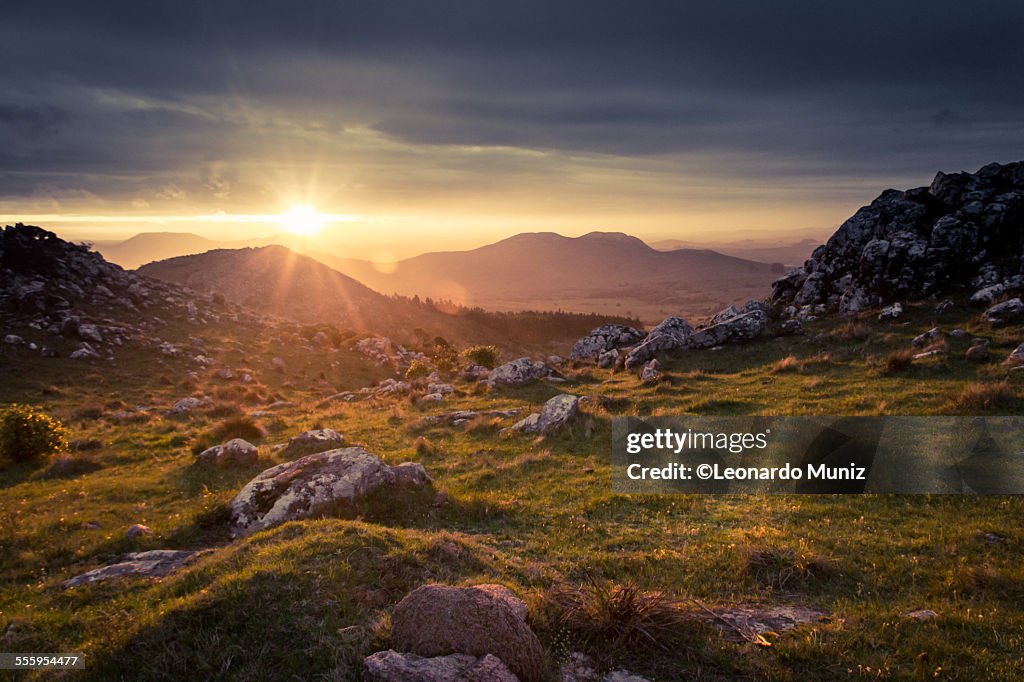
<point x="799" y="87"/>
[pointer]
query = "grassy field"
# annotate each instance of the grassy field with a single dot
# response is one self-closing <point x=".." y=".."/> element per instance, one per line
<point x="308" y="600"/>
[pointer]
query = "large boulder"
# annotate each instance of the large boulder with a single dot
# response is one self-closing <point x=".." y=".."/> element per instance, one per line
<point x="519" y="372"/>
<point x="311" y="442"/>
<point x="672" y="334"/>
<point x="392" y="666"/>
<point x="236" y="452"/>
<point x="961" y="233"/>
<point x="605" y="338"/>
<point x="438" y="620"/>
<point x="1005" y="312"/>
<point x="557" y="412"/>
<point x="733" y="329"/>
<point x="315" y="484"/>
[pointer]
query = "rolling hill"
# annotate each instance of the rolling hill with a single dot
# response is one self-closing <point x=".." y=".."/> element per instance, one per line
<point x="598" y="272"/>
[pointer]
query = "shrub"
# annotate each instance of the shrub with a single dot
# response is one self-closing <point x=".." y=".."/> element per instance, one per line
<point x="27" y="435"/>
<point x="897" y="361"/>
<point x="445" y="358"/>
<point x="236" y="427"/>
<point x="983" y="397"/>
<point x="417" y="370"/>
<point x="485" y="356"/>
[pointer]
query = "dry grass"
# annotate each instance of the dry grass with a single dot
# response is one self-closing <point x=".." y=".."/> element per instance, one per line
<point x="782" y="567"/>
<point x="984" y="397"/>
<point x="851" y="330"/>
<point x="236" y="427"/>
<point x="896" y="362"/>
<point x="609" y="619"/>
<point x="790" y="363"/>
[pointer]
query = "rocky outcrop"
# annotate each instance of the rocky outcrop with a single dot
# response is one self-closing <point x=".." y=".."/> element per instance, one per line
<point x="439" y="620"/>
<point x="311" y="442"/>
<point x="155" y="563"/>
<point x="235" y="453"/>
<point x="672" y="334"/>
<point x="557" y="412"/>
<point x="519" y="372"/>
<point x="605" y="338"/>
<point x="391" y="666"/>
<point x="1005" y="312"/>
<point x="961" y="233"/>
<point x="316" y="484"/>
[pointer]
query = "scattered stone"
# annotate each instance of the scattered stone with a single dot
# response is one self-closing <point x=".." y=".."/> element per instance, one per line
<point x="438" y="620"/>
<point x="944" y="306"/>
<point x="90" y="332"/>
<point x="933" y="334"/>
<point x="556" y="413"/>
<point x="225" y="373"/>
<point x="279" y="405"/>
<point x="460" y="417"/>
<point x="443" y="389"/>
<point x="519" y="372"/>
<point x="651" y="373"/>
<point x="1017" y="356"/>
<point x="13" y="340"/>
<point x="312" y="485"/>
<point x="978" y="353"/>
<point x="748" y="323"/>
<point x="154" y="563"/>
<point x="608" y="359"/>
<point x="578" y="667"/>
<point x="474" y="373"/>
<point x="236" y="452"/>
<point x="959" y="334"/>
<point x="605" y="338"/>
<point x="623" y="676"/>
<point x="391" y="666"/>
<point x="761" y="620"/>
<point x="185" y="405"/>
<point x="431" y="398"/>
<point x="922" y="614"/>
<point x="84" y="351"/>
<point x="311" y="442"/>
<point x="792" y="327"/>
<point x="672" y="334"/>
<point x="891" y="312"/>
<point x="138" y="530"/>
<point x="1005" y="312"/>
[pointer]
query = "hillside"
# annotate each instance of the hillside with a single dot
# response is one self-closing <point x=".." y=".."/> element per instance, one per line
<point x="280" y="282"/>
<point x="598" y="272"/>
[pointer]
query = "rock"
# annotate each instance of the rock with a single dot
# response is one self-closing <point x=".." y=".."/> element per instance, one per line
<point x="933" y="334"/>
<point x="410" y="475"/>
<point x="138" y="530"/>
<point x="474" y="373"/>
<point x="154" y="563"/>
<point x="605" y="338"/>
<point x="90" y="332"/>
<point x="391" y="666"/>
<point x="556" y="413"/>
<point x="431" y="398"/>
<point x="578" y="667"/>
<point x="961" y="231"/>
<point x="460" y="417"/>
<point x="978" y="353"/>
<point x="922" y="614"/>
<point x="438" y="620"/>
<point x="312" y="441"/>
<point x="185" y="405"/>
<point x="1017" y="356"/>
<point x="1005" y="312"/>
<point x="671" y="334"/>
<point x="733" y="329"/>
<point x="225" y="373"/>
<point x="392" y="387"/>
<point x="958" y="334"/>
<point x="623" y="676"/>
<point x="928" y="354"/>
<point x="13" y="340"/>
<point x="236" y="452"/>
<point x="309" y="486"/>
<point x="892" y="312"/>
<point x="651" y="373"/>
<point x="761" y="620"/>
<point x="443" y="389"/>
<point x="944" y="306"/>
<point x="84" y="351"/>
<point x="519" y="372"/>
<point x="608" y="359"/>
<point x="792" y="328"/>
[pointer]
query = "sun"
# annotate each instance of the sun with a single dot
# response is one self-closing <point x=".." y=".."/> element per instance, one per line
<point x="303" y="220"/>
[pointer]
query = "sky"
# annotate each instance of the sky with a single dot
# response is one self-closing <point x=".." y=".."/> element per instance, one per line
<point x="416" y="126"/>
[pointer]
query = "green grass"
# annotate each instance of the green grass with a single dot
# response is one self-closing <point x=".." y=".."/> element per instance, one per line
<point x="534" y="513"/>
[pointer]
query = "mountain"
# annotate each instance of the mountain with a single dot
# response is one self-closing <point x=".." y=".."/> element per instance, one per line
<point x="600" y="271"/>
<point x="278" y="281"/>
<point x="152" y="246"/>
<point x="791" y="253"/>
<point x="964" y="232"/>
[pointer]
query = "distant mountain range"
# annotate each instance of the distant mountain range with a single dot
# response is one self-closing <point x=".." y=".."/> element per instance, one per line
<point x="598" y="272"/>
<point x="277" y="281"/>
<point x="790" y="254"/>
